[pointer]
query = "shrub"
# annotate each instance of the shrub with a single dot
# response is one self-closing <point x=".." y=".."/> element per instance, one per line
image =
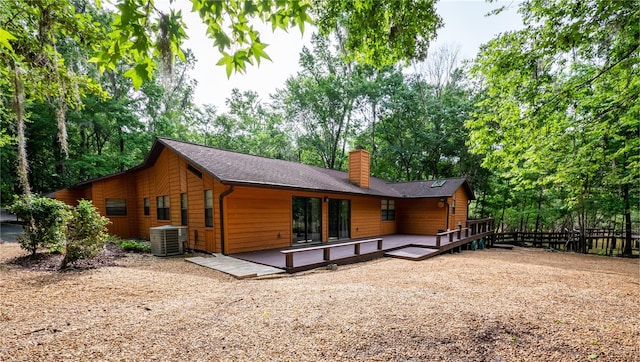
<point x="86" y="233"/>
<point x="135" y="246"/>
<point x="45" y="221"/>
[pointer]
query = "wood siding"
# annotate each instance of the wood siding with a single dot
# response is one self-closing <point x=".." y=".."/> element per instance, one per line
<point x="359" y="168"/>
<point x="260" y="218"/>
<point x="420" y="216"/>
<point x="366" y="219"/>
<point x="118" y="187"/>
<point x="460" y="215"/>
<point x="389" y="227"/>
<point x="71" y="197"/>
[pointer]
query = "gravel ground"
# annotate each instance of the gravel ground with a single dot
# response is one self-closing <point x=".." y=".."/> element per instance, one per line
<point x="493" y="305"/>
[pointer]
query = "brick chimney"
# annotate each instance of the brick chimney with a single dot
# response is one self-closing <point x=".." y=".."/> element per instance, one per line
<point x="359" y="167"/>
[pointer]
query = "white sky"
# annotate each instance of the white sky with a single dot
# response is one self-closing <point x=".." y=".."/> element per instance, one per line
<point x="465" y="25"/>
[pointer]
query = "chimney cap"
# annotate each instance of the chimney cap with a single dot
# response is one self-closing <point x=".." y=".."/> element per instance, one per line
<point x="359" y="147"/>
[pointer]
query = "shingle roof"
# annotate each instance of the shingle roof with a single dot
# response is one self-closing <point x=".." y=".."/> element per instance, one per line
<point x="239" y="168"/>
<point x="430" y="188"/>
<point x="231" y="167"/>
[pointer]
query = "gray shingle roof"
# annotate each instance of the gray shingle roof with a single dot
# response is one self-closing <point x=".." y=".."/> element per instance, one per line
<point x="231" y="167"/>
<point x="418" y="189"/>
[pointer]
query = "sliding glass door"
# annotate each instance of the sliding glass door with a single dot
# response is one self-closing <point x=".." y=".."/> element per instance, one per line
<point x="307" y="220"/>
<point x="339" y="219"/>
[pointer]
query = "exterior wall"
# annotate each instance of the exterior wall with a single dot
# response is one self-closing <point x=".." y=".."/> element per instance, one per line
<point x="365" y="217"/>
<point x="261" y="218"/>
<point x="460" y="215"/>
<point x="71" y="197"/>
<point x="420" y="216"/>
<point x="389" y="227"/>
<point x="118" y="187"/>
<point x="170" y="176"/>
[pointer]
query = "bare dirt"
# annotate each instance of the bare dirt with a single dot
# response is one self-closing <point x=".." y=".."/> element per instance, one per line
<point x="493" y="305"/>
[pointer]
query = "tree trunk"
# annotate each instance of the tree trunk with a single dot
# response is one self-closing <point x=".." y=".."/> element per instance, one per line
<point x="627" y="222"/>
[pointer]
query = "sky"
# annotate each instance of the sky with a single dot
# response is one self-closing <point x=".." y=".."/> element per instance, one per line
<point x="465" y="26"/>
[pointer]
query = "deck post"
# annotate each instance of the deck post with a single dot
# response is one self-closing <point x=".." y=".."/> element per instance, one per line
<point x="451" y="237"/>
<point x="459" y="230"/>
<point x="379" y="244"/>
<point x="289" y="259"/>
<point x="327" y="254"/>
<point x="438" y="241"/>
<point x="356" y="249"/>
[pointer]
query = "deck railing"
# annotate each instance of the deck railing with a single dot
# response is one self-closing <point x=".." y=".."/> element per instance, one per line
<point x="475" y="227"/>
<point x="326" y="249"/>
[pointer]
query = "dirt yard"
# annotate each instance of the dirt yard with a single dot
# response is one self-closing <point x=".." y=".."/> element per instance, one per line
<point x="493" y="305"/>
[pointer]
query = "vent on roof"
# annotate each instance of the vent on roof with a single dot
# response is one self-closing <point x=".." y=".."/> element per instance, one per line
<point x="438" y="183"/>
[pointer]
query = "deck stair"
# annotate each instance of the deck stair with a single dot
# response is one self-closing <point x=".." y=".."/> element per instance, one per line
<point x="412" y="253"/>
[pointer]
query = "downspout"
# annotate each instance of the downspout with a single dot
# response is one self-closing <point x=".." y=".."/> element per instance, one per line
<point x="222" y="195"/>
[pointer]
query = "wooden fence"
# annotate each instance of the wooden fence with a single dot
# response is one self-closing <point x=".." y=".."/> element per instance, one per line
<point x="597" y="241"/>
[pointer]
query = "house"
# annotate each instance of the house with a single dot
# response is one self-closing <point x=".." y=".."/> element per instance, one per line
<point x="233" y="202"/>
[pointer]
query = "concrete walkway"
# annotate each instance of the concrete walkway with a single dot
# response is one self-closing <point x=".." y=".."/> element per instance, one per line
<point x="240" y="269"/>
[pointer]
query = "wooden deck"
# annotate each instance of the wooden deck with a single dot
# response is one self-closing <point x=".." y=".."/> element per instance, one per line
<point x="413" y="247"/>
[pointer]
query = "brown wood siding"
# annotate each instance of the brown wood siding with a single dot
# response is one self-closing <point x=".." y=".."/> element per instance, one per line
<point x="260" y="218"/>
<point x="71" y="197"/>
<point x="214" y="238"/>
<point x="389" y="228"/>
<point x="257" y="219"/>
<point x="117" y="187"/>
<point x="143" y="190"/>
<point x="420" y="216"/>
<point x="366" y="219"/>
<point x="359" y="168"/>
<point x="195" y="210"/>
<point x="461" y="209"/>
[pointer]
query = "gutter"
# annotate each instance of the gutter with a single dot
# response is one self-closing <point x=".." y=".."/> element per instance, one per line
<point x="222" y="195"/>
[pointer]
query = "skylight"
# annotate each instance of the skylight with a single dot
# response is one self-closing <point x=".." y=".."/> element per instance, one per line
<point x="438" y="183"/>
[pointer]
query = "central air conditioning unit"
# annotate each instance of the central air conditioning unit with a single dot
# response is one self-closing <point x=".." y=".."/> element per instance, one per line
<point x="167" y="240"/>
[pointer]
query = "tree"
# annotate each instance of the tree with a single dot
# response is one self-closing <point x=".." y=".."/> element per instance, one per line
<point x="31" y="64"/>
<point x="33" y="68"/>
<point x="320" y="100"/>
<point x="559" y="110"/>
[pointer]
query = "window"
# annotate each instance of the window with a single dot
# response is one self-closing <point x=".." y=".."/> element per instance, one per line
<point x="208" y="208"/>
<point x="307" y="219"/>
<point x="184" y="218"/>
<point x="147" y="206"/>
<point x="438" y="183"/>
<point x="388" y="208"/>
<point x="116" y="207"/>
<point x="162" y="206"/>
<point x="453" y="207"/>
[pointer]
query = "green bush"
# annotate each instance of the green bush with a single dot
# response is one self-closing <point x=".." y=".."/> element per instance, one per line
<point x="45" y="222"/>
<point x="86" y="233"/>
<point x="135" y="246"/>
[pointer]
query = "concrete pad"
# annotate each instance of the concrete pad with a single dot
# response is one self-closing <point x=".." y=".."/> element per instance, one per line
<point x="240" y="269"/>
<point x="412" y="253"/>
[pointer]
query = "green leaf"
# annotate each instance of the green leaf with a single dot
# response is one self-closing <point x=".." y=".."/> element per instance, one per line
<point x="136" y="79"/>
<point x="257" y="50"/>
<point x="5" y="36"/>
<point x="226" y="60"/>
